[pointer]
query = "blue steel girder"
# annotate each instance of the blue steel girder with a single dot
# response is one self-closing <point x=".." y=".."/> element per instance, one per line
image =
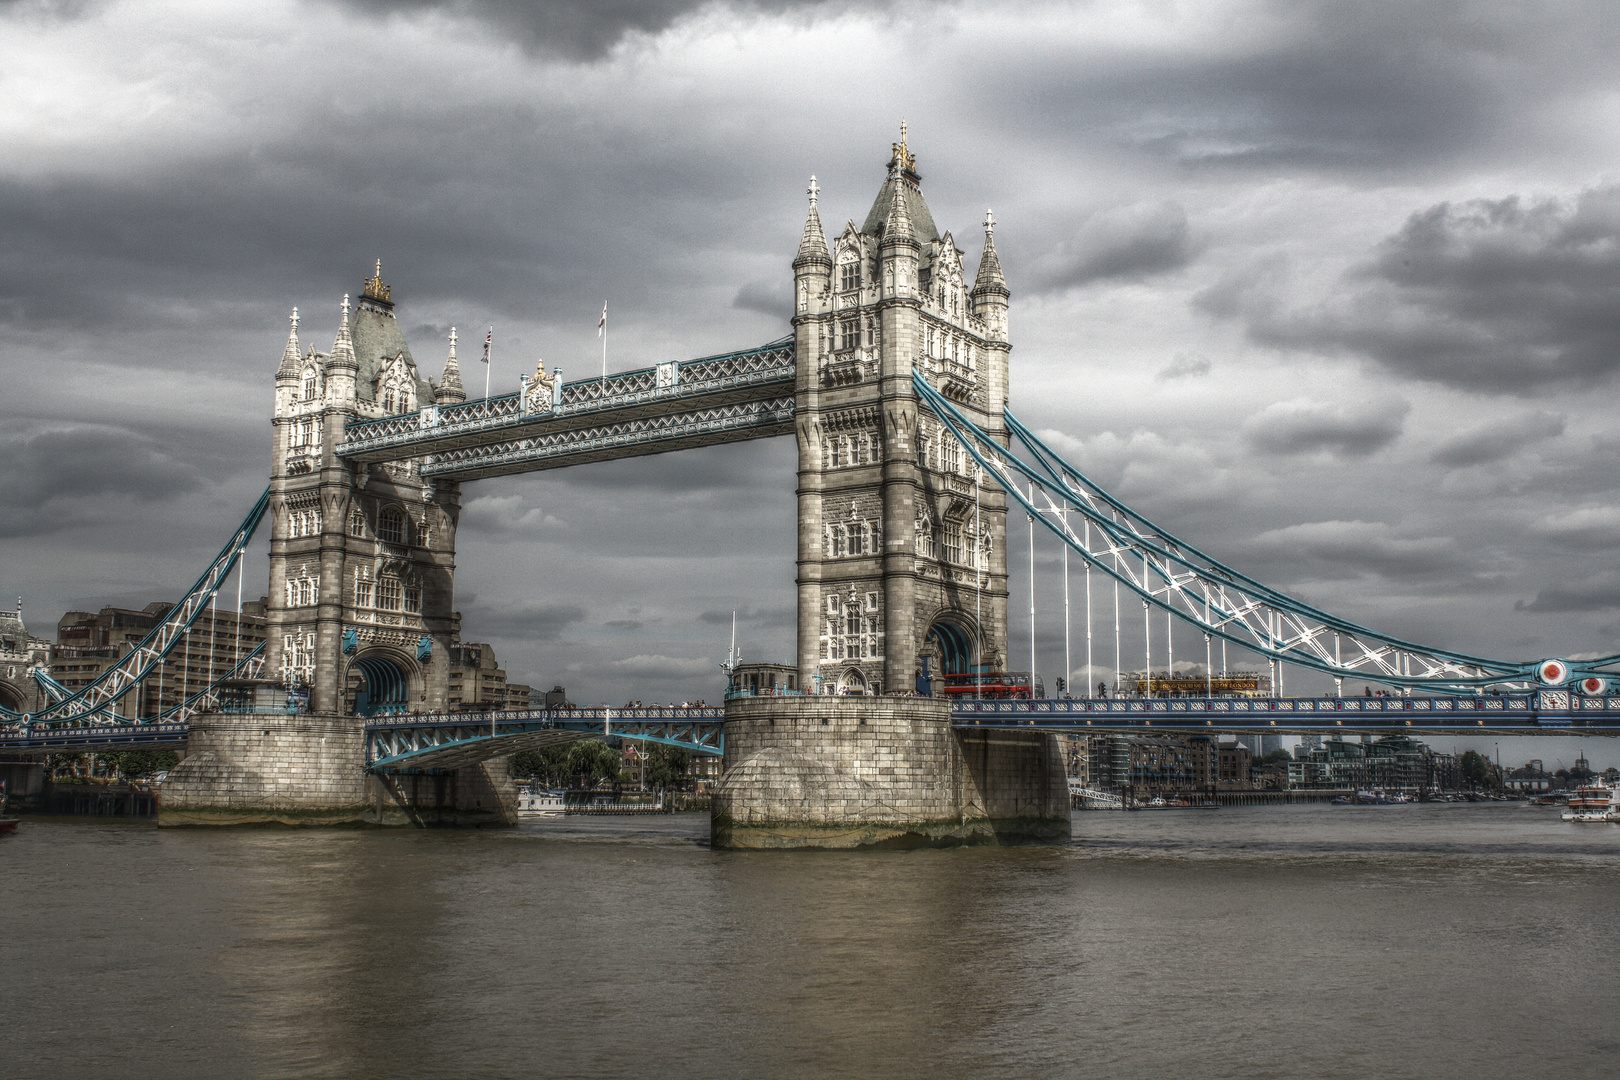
<point x="100" y="738"/>
<point x="1537" y="713"/>
<point x="736" y="422"/>
<point x="749" y="377"/>
<point x="97" y="698"/>
<point x="452" y="741"/>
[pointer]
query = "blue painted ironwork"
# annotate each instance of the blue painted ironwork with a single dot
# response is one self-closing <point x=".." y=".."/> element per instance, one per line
<point x="97" y="738"/>
<point x="708" y="383"/>
<point x="1171" y="575"/>
<point x="98" y="697"/>
<point x="1539" y="712"/>
<point x="452" y="740"/>
<point x="646" y="435"/>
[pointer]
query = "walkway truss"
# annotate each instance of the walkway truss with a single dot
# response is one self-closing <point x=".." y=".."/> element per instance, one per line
<point x="95" y="704"/>
<point x="1167" y="574"/>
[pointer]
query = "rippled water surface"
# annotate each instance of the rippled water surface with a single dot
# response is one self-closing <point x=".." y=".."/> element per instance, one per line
<point x="1312" y="941"/>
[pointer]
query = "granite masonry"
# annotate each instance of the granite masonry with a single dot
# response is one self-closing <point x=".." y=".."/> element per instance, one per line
<point x="309" y="769"/>
<point x="850" y="772"/>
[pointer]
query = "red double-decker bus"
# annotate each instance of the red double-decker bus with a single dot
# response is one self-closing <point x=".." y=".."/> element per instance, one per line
<point x="992" y="684"/>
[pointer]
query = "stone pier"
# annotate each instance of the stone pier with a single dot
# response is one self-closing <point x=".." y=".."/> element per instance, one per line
<point x="302" y="769"/>
<point x="852" y="772"/>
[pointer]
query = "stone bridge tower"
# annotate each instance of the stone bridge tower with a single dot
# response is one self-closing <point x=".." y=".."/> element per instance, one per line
<point x="902" y="570"/>
<point x="362" y="557"/>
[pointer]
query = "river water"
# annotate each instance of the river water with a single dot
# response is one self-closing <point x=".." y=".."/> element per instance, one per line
<point x="1308" y="941"/>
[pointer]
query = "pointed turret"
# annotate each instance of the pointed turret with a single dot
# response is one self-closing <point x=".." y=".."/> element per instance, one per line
<point x="813" y="245"/>
<point x="290" y="355"/>
<point x="343" y="346"/>
<point x="897" y="226"/>
<point x="812" y="267"/>
<point x="450" y="390"/>
<point x="990" y="291"/>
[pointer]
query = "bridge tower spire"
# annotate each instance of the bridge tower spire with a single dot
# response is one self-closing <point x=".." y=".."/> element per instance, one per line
<point x="450" y="391"/>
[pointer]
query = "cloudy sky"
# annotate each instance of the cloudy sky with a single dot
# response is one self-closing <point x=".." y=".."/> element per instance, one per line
<point x="1329" y="289"/>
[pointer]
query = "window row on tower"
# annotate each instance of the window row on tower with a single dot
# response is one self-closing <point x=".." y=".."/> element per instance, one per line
<point x="388" y="592"/>
<point x="856" y="448"/>
<point x="852" y="538"/>
<point x="853" y="628"/>
<point x="304" y="590"/>
<point x="303" y="523"/>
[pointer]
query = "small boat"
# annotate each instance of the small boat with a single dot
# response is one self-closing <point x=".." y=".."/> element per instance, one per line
<point x="8" y="825"/>
<point x="1592" y="802"/>
<point x="537" y="803"/>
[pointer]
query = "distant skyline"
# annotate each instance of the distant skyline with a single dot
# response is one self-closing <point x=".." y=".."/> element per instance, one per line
<point x="1329" y="289"/>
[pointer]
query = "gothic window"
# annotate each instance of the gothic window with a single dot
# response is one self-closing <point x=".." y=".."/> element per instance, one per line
<point x="388" y="402"/>
<point x="871" y="601"/>
<point x="832" y="604"/>
<point x="362" y="588"/>
<point x="357" y="522"/>
<point x="853" y="624"/>
<point x="391" y="526"/>
<point x="848" y="334"/>
<point x="389" y="593"/>
<point x="857" y="538"/>
<point x="953" y="542"/>
<point x="309" y="384"/>
<point x="837" y="540"/>
<point x="836" y="445"/>
<point x="849" y="276"/>
<point x="413" y="599"/>
<point x="928" y="341"/>
<point x="871" y="333"/>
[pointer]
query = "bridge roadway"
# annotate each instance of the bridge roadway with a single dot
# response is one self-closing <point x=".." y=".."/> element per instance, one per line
<point x="453" y="740"/>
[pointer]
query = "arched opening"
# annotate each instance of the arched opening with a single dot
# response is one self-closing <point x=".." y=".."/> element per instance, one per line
<point x="385" y="685"/>
<point x="10" y="697"/>
<point x="852" y="682"/>
<point x="955" y="648"/>
<point x="947" y="659"/>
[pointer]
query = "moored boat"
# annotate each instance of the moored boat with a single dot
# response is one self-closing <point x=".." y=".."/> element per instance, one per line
<point x="1592" y="802"/>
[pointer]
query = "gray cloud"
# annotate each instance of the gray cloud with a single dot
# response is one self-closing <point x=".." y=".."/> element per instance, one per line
<point x="1186" y="366"/>
<point x="522" y="622"/>
<point x="1502" y="296"/>
<point x="1593" y="528"/>
<point x="1497" y="439"/>
<point x="53" y="477"/>
<point x="1122" y="243"/>
<point x="1304" y="426"/>
<point x="771" y="296"/>
<point x="1600" y="592"/>
<point x="1350" y="548"/>
<point x="755" y="617"/>
<point x="586" y="29"/>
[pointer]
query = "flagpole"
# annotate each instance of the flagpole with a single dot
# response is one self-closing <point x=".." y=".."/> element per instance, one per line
<point x="488" y="341"/>
<point x="604" y="346"/>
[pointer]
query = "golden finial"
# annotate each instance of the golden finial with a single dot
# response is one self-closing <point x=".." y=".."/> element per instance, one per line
<point x="539" y="369"/>
<point x="904" y="158"/>
<point x="375" y="287"/>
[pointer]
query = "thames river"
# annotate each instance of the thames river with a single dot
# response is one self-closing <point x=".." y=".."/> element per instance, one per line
<point x="1311" y="941"/>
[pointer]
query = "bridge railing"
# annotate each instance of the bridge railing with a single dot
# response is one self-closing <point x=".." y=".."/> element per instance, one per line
<point x="767" y="363"/>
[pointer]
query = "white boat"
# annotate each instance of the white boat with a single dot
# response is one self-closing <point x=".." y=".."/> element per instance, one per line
<point x="537" y="802"/>
<point x="1592" y="802"/>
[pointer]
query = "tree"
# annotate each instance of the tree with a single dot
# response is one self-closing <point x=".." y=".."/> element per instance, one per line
<point x="138" y="763"/>
<point x="576" y="764"/>
<point x="1475" y="768"/>
<point x="666" y="766"/>
<point x="1274" y="757"/>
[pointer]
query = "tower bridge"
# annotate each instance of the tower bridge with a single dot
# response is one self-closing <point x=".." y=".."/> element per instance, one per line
<point x="894" y="383"/>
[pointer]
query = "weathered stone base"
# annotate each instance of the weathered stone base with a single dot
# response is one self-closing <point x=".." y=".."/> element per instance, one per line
<point x="309" y="770"/>
<point x="853" y="772"/>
